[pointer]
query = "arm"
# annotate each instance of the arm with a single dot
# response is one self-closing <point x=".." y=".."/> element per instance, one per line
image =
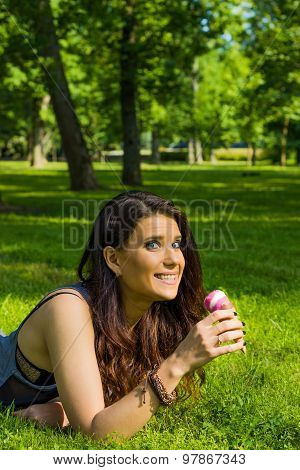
<point x="69" y="336"/>
<point x="130" y="414"/>
<point x="71" y="348"/>
<point x="51" y="413"/>
<point x="126" y="416"/>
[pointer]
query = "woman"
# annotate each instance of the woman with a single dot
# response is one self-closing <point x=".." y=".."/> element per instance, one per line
<point x="106" y="357"/>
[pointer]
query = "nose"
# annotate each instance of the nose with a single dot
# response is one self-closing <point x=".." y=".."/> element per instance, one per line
<point x="171" y="256"/>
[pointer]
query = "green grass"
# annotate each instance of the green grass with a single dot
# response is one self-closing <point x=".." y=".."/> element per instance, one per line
<point x="249" y="402"/>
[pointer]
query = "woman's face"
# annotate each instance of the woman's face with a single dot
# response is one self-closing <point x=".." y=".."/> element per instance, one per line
<point x="152" y="262"/>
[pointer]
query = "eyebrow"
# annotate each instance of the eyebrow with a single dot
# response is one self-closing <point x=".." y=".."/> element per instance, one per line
<point x="160" y="237"/>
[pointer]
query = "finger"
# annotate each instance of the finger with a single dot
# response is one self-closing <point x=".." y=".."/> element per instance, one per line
<point x="218" y="315"/>
<point x="235" y="335"/>
<point x="242" y="341"/>
<point x="227" y="325"/>
<point x="20" y="414"/>
<point x="220" y="350"/>
<point x="226" y="304"/>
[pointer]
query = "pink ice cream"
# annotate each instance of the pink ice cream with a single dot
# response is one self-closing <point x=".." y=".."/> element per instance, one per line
<point x="214" y="300"/>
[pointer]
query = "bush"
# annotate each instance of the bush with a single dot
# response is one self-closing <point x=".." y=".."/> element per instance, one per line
<point x="239" y="154"/>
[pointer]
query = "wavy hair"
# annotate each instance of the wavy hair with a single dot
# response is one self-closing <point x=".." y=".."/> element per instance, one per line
<point x="124" y="356"/>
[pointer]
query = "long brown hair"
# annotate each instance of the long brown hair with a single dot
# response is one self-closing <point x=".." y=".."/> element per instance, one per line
<point x="125" y="356"/>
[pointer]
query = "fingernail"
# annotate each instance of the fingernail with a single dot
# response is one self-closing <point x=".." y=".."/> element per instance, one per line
<point x="243" y="323"/>
<point x="234" y="313"/>
<point x="244" y="332"/>
<point x="244" y="343"/>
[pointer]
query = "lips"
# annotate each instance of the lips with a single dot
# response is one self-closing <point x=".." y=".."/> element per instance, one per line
<point x="170" y="281"/>
<point x="166" y="274"/>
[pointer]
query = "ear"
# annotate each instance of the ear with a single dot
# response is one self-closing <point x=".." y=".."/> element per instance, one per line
<point x="111" y="258"/>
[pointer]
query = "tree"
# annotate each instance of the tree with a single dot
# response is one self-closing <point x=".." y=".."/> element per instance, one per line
<point x="220" y="76"/>
<point x="273" y="45"/>
<point x="40" y="18"/>
<point x="128" y="70"/>
<point x="79" y="161"/>
<point x="250" y="115"/>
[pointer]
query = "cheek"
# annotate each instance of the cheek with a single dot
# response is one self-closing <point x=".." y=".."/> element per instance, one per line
<point x="142" y="264"/>
<point x="181" y="261"/>
<point x="147" y="263"/>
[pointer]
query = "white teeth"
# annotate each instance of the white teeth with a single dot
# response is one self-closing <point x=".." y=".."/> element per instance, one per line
<point x="166" y="276"/>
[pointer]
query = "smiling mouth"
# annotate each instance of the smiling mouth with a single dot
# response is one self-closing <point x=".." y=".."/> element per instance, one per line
<point x="167" y="279"/>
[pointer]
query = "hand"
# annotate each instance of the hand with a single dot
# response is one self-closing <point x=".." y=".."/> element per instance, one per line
<point x="228" y="305"/>
<point x="201" y="345"/>
<point x="50" y="413"/>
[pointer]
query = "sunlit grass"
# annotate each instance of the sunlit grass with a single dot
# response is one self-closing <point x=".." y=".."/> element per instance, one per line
<point x="249" y="402"/>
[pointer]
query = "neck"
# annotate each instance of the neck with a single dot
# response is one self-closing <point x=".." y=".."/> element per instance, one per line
<point x="134" y="306"/>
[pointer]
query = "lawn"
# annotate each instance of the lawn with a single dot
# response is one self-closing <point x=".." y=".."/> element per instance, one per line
<point x="247" y="229"/>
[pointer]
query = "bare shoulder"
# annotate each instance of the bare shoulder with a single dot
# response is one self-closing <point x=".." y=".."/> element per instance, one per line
<point x="69" y="336"/>
<point x="66" y="313"/>
<point x="63" y="296"/>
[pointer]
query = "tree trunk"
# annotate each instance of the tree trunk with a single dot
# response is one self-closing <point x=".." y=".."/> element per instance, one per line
<point x="198" y="152"/>
<point x="36" y="155"/>
<point x="131" y="145"/>
<point x="79" y="162"/>
<point x="212" y="155"/>
<point x="249" y="154"/>
<point x="31" y="132"/>
<point x="284" y="141"/>
<point x="155" y="155"/>
<point x="29" y="157"/>
<point x="191" y="152"/>
<point x="253" y="154"/>
<point x="99" y="156"/>
<point x="54" y="153"/>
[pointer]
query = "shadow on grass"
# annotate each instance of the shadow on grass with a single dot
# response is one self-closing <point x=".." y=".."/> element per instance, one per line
<point x="40" y="194"/>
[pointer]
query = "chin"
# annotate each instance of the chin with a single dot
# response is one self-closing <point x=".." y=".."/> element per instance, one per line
<point x="167" y="296"/>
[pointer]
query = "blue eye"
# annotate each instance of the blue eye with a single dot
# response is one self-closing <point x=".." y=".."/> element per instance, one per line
<point x="179" y="243"/>
<point x="148" y="243"/>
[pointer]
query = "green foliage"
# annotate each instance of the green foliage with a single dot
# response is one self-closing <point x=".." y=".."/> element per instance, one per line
<point x="218" y="71"/>
<point x="273" y="47"/>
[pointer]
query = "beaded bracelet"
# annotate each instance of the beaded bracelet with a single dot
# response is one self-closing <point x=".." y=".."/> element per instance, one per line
<point x="164" y="397"/>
